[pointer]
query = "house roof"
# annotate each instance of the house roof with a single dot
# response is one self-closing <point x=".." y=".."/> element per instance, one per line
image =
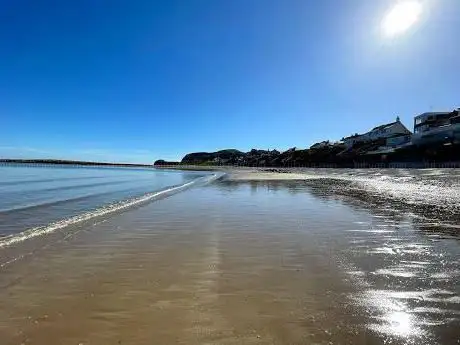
<point x="433" y="113"/>
<point x="386" y="125"/>
<point x="383" y="126"/>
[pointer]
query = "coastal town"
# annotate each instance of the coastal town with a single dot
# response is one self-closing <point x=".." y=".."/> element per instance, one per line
<point x="433" y="137"/>
<point x="429" y="128"/>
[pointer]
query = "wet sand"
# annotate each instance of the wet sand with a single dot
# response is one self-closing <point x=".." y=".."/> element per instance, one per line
<point x="239" y="262"/>
<point x="254" y="175"/>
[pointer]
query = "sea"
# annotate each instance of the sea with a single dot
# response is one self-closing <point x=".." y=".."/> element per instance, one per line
<point x="92" y="255"/>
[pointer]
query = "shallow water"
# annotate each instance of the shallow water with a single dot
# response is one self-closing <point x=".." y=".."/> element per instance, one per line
<point x="36" y="196"/>
<point x="298" y="262"/>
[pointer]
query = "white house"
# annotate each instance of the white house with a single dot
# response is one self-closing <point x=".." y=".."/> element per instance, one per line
<point x="380" y="132"/>
<point x="398" y="140"/>
<point x="387" y="130"/>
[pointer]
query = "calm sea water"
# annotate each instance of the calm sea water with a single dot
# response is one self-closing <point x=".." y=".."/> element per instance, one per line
<point x="37" y="196"/>
<point x="342" y="257"/>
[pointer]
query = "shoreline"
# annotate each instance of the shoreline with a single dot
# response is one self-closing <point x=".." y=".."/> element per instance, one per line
<point x="280" y="174"/>
<point x="262" y="175"/>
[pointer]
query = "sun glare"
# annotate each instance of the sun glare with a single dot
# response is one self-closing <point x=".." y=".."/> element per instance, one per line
<point x="401" y="17"/>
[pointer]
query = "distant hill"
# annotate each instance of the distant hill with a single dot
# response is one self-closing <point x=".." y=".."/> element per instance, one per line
<point x="229" y="156"/>
<point x="264" y="157"/>
<point x="160" y="162"/>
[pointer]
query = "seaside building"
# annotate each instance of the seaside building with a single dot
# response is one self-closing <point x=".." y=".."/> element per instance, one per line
<point x="352" y="140"/>
<point x="389" y="130"/>
<point x="398" y="140"/>
<point x="437" y="128"/>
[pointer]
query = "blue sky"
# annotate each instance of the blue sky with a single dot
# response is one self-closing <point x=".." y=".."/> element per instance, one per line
<point x="134" y="81"/>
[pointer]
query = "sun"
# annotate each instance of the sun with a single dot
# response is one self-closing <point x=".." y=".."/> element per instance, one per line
<point x="401" y="17"/>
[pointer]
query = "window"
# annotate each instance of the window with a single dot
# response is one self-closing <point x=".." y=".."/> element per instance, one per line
<point x="421" y="129"/>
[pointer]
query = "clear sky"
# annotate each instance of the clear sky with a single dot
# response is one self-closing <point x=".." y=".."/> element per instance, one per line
<point x="134" y="81"/>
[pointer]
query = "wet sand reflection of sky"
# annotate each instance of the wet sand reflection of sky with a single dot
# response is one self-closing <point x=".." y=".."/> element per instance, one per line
<point x="404" y="277"/>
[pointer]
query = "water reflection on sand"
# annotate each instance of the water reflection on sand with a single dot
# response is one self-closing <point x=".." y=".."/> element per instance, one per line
<point x="242" y="263"/>
<point x="408" y="271"/>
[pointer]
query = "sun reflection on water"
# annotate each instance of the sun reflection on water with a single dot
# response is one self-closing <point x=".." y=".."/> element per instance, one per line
<point x="398" y="323"/>
<point x="401" y="323"/>
<point x="395" y="317"/>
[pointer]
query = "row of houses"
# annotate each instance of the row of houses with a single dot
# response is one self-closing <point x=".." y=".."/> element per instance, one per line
<point x="429" y="128"/>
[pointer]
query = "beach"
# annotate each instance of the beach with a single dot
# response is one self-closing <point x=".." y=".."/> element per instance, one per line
<point x="252" y="257"/>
